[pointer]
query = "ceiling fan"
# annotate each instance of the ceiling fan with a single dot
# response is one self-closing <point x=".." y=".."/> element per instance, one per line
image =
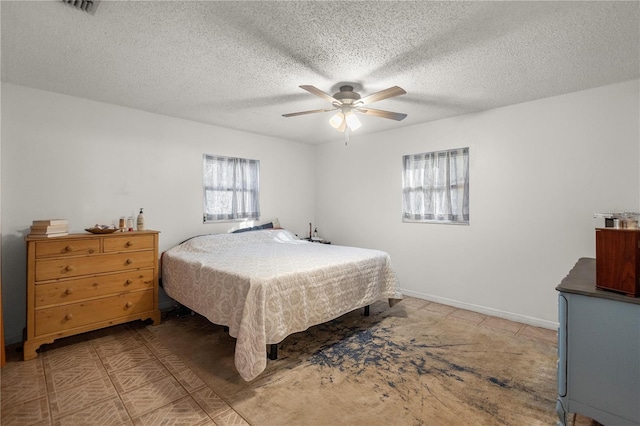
<point x="347" y="102"/>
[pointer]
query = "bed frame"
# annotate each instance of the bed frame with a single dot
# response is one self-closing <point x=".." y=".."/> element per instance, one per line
<point x="273" y="348"/>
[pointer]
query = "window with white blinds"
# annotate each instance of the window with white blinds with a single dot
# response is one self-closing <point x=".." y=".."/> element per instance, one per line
<point x="435" y="187"/>
<point x="231" y="188"/>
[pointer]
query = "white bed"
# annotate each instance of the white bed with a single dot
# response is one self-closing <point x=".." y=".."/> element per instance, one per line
<point x="267" y="284"/>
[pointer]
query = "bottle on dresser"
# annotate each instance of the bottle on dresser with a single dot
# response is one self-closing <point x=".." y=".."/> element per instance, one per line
<point x="140" y="221"/>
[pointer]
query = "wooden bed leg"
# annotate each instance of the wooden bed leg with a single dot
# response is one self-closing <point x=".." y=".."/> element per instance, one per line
<point x="366" y="311"/>
<point x="273" y="352"/>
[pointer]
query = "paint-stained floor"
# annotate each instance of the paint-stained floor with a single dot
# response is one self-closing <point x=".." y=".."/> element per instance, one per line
<point x="418" y="363"/>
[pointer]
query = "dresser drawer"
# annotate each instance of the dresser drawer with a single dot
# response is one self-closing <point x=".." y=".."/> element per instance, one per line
<point x="67" y="247"/>
<point x="51" y="269"/>
<point x="128" y="242"/>
<point x="60" y="318"/>
<point x="68" y="291"/>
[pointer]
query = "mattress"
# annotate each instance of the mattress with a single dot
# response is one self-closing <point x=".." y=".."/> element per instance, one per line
<point x="265" y="285"/>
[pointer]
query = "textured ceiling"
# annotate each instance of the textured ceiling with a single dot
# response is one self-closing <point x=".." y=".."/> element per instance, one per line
<point x="238" y="64"/>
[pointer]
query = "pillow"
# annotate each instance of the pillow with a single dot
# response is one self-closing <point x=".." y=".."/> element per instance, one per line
<point x="254" y="228"/>
<point x="254" y="225"/>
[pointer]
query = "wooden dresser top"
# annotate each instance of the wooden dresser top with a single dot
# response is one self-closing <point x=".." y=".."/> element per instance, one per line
<point x="582" y="280"/>
<point x="88" y="235"/>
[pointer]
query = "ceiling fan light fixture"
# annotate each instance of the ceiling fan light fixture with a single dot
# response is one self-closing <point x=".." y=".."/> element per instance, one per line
<point x="337" y="120"/>
<point x="347" y="103"/>
<point x="352" y="121"/>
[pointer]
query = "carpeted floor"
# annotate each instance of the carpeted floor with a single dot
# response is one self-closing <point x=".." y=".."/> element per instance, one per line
<point x="418" y="363"/>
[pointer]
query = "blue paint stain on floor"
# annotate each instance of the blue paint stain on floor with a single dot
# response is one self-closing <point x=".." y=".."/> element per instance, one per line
<point x="411" y="365"/>
<point x="501" y="383"/>
<point x="373" y="347"/>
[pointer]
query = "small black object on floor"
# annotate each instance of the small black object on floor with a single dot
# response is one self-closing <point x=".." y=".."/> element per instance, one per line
<point x="177" y="311"/>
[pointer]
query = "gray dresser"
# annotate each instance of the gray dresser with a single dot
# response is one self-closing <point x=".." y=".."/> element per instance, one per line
<point x="598" y="350"/>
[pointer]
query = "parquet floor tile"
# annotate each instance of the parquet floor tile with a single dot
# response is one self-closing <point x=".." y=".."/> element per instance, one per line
<point x="123" y="375"/>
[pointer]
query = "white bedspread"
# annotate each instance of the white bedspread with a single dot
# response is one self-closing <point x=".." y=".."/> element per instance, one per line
<point x="266" y="285"/>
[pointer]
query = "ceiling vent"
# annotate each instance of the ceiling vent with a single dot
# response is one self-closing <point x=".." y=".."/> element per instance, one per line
<point x="88" y="6"/>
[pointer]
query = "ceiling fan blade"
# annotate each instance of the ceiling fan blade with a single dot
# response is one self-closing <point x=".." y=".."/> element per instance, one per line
<point x="293" y="114"/>
<point x="383" y="94"/>
<point x="315" y="91"/>
<point x="380" y="113"/>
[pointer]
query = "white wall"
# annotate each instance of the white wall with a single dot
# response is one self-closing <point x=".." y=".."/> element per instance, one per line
<point x="65" y="157"/>
<point x="539" y="171"/>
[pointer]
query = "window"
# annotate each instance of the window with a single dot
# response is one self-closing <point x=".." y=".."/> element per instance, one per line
<point x="435" y="187"/>
<point x="231" y="188"/>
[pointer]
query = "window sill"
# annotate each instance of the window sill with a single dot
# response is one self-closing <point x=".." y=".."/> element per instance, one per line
<point x="433" y="221"/>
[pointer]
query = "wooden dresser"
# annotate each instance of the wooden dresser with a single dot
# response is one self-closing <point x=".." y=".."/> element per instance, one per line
<point x="83" y="282"/>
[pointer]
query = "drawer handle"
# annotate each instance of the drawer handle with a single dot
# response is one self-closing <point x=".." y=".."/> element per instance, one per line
<point x="129" y="281"/>
<point x="69" y="291"/>
<point x="68" y="248"/>
<point x="129" y="261"/>
<point x="129" y="304"/>
<point x="68" y="317"/>
<point x="91" y="251"/>
<point x="128" y="244"/>
<point x="69" y="268"/>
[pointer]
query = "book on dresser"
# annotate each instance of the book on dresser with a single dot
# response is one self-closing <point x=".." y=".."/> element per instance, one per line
<point x="47" y="235"/>
<point x="50" y="222"/>
<point x="82" y="282"/>
<point x="49" y="228"/>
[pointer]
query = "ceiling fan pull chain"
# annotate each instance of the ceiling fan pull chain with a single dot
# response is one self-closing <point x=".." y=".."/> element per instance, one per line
<point x="346" y="135"/>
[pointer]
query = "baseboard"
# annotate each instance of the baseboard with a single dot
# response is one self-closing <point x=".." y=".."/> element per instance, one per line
<point x="536" y="322"/>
